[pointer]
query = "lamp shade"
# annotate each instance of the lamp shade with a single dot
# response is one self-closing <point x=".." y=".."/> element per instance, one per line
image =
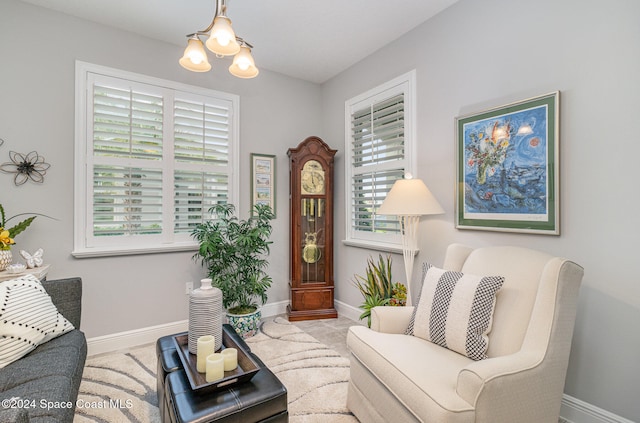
<point x="243" y="65"/>
<point x="222" y="40"/>
<point x="410" y="197"/>
<point x="195" y="58"/>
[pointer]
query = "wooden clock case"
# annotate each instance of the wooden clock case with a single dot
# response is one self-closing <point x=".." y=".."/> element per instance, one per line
<point x="311" y="213"/>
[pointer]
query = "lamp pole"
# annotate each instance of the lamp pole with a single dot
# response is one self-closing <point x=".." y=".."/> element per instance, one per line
<point x="409" y="226"/>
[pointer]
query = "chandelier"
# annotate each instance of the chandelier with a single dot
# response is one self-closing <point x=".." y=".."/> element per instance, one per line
<point x="223" y="42"/>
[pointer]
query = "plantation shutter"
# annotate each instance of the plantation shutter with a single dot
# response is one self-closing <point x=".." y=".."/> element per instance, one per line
<point x="127" y="160"/>
<point x="201" y="152"/>
<point x="378" y="160"/>
<point x="152" y="156"/>
<point x="156" y="159"/>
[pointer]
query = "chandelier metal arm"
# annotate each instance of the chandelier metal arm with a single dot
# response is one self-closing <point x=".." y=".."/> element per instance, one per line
<point x="242" y="41"/>
<point x="221" y="9"/>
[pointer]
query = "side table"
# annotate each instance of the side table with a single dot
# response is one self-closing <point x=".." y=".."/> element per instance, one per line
<point x="38" y="272"/>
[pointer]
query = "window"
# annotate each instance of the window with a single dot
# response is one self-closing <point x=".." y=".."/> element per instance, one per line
<point x="152" y="156"/>
<point x="380" y="149"/>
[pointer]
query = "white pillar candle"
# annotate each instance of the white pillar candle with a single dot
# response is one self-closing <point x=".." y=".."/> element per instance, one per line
<point x="230" y="359"/>
<point x="215" y="367"/>
<point x="206" y="346"/>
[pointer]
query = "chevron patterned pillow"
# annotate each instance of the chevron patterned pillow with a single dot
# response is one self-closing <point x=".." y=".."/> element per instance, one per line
<point x="28" y="318"/>
<point x="455" y="310"/>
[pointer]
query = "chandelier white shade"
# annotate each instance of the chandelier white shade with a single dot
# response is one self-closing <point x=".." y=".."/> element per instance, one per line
<point x="195" y="58"/>
<point x="409" y="199"/>
<point x="243" y="65"/>
<point x="222" y="41"/>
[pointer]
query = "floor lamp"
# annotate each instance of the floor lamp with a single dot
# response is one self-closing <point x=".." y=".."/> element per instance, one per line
<point x="409" y="199"/>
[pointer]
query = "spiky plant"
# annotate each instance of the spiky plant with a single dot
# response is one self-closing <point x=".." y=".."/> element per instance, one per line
<point x="376" y="285"/>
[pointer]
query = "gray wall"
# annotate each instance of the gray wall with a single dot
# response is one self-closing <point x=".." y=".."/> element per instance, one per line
<point x="483" y="53"/>
<point x="476" y="54"/>
<point x="39" y="49"/>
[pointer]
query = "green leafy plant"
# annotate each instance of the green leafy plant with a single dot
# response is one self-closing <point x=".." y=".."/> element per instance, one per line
<point x="377" y="288"/>
<point x="7" y="235"/>
<point x="234" y="252"/>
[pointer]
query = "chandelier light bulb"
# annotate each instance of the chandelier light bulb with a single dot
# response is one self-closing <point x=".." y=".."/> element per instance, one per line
<point x="196" y="57"/>
<point x="224" y="39"/>
<point x="243" y="63"/>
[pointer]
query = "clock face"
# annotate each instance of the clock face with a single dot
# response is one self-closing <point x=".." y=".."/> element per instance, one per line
<point x="312" y="178"/>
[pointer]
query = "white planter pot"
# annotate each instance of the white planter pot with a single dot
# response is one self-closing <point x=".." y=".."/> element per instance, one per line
<point x="5" y="259"/>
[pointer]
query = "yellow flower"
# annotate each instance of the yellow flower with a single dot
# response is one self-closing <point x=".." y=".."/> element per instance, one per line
<point x="4" y="238"/>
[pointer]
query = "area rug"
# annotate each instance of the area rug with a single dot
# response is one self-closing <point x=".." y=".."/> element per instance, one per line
<point x="316" y="377"/>
<point x="121" y="387"/>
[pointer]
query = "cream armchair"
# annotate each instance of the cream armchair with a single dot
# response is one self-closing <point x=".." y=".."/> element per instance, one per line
<point x="401" y="378"/>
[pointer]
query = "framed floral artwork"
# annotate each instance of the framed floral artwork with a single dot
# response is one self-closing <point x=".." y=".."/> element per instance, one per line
<point x="508" y="167"/>
<point x="263" y="180"/>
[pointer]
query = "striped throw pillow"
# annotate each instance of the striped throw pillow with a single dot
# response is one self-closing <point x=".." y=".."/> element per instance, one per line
<point x="455" y="310"/>
<point x="28" y="318"/>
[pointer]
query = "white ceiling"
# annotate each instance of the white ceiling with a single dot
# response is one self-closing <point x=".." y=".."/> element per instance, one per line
<point x="309" y="39"/>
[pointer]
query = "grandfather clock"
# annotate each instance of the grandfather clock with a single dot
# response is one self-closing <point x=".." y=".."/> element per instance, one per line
<point x="311" y="203"/>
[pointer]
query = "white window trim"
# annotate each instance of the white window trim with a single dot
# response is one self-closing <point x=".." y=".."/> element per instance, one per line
<point x="405" y="83"/>
<point x="82" y="183"/>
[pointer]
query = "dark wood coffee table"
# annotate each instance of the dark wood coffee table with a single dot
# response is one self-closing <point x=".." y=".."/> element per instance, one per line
<point x="261" y="399"/>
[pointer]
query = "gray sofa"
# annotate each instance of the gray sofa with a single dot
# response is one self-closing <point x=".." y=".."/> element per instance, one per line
<point x="46" y="380"/>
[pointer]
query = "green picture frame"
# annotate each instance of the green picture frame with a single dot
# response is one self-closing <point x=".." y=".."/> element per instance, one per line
<point x="263" y="180"/>
<point x="507" y="173"/>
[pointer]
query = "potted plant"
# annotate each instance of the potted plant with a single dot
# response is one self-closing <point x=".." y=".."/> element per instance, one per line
<point x="377" y="287"/>
<point x="7" y="236"/>
<point x="234" y="252"/>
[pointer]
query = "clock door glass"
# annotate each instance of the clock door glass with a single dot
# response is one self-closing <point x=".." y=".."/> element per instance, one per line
<point x="312" y="240"/>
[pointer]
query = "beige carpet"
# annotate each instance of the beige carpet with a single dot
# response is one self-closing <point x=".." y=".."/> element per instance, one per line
<point x="316" y="376"/>
<point x="121" y="387"/>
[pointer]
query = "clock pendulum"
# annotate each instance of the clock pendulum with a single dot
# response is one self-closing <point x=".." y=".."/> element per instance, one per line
<point x="311" y="252"/>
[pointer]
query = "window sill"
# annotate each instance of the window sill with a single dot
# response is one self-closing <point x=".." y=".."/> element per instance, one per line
<point x="371" y="245"/>
<point x="120" y="251"/>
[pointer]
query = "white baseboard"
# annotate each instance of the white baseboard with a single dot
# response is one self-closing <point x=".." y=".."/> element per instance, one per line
<point x="273" y="309"/>
<point x="132" y="338"/>
<point x="574" y="410"/>
<point x="348" y="311"/>
<point x="343" y="309"/>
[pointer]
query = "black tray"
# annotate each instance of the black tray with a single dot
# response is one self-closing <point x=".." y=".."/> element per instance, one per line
<point x="247" y="366"/>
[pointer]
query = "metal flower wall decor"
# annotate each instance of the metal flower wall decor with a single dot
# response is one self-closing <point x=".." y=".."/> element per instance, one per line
<point x="30" y="167"/>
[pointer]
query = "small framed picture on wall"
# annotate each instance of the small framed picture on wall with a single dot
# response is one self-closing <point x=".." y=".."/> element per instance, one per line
<point x="263" y="180"/>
